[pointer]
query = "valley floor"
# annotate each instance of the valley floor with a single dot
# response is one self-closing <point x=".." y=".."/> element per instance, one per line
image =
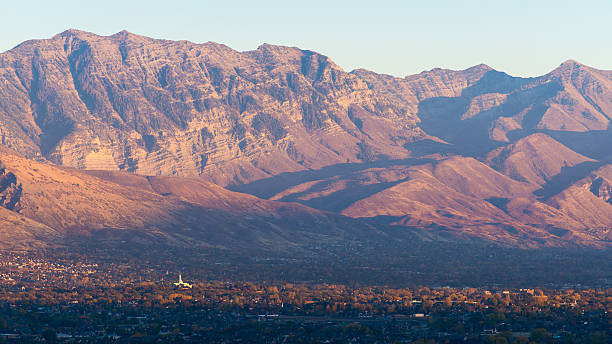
<point x="97" y="309"/>
<point x="328" y="297"/>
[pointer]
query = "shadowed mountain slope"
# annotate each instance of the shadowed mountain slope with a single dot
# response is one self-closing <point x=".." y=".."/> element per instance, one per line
<point x="535" y="159"/>
<point x="48" y="205"/>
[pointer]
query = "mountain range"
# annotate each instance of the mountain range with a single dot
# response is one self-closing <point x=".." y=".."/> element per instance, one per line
<point x="126" y="137"/>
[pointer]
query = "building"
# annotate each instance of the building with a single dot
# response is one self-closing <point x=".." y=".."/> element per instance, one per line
<point x="181" y="284"/>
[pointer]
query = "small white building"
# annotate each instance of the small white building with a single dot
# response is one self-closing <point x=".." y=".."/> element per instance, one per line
<point x="181" y="284"/>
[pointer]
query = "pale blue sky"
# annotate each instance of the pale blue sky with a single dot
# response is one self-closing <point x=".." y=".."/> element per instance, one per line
<point x="522" y="38"/>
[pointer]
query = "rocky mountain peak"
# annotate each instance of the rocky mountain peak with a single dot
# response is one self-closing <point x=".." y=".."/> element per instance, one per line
<point x="570" y="69"/>
<point x="571" y="63"/>
<point x="74" y="32"/>
<point x="480" y="68"/>
<point x="123" y="33"/>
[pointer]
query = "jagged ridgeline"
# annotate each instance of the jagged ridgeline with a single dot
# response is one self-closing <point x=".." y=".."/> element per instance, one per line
<point x="156" y="107"/>
<point x="474" y="153"/>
